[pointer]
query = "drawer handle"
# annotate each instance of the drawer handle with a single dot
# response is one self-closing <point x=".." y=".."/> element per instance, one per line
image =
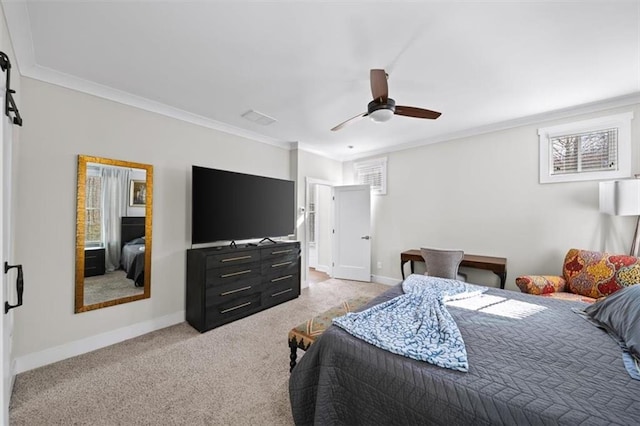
<point x="281" y="292"/>
<point x="281" y="278"/>
<point x="233" y="259"/>
<point x="233" y="274"/>
<point x="281" y="251"/>
<point x="226" y="293"/>
<point x="277" y="265"/>
<point x="235" y="307"/>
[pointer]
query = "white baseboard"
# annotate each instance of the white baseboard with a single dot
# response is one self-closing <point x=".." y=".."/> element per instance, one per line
<point x="82" y="346"/>
<point x="384" y="280"/>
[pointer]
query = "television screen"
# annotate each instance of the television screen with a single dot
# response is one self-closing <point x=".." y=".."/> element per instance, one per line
<point x="235" y="206"/>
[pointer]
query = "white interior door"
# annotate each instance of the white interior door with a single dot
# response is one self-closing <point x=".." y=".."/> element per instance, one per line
<point x="351" y="237"/>
<point x="8" y="279"/>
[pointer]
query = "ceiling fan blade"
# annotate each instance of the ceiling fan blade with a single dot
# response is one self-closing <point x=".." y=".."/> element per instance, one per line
<point x="379" y="87"/>
<point x="417" y="112"/>
<point x="349" y="121"/>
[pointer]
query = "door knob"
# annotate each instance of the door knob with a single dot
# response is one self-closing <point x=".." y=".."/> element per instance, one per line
<point x="366" y="237"/>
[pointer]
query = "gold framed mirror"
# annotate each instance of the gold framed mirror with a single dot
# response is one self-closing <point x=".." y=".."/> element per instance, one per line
<point x="113" y="232"/>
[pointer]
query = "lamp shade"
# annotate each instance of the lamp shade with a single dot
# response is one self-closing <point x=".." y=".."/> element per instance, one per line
<point x="620" y="197"/>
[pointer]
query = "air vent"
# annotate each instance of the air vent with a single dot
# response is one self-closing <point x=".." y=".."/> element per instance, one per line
<point x="258" y="117"/>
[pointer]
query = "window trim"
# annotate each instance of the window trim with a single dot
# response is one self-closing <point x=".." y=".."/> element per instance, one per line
<point x="382" y="163"/>
<point x="622" y="122"/>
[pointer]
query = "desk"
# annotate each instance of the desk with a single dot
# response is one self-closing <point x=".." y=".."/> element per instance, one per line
<point x="497" y="265"/>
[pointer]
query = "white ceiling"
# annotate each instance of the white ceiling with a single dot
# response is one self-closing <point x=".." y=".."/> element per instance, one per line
<point x="306" y="64"/>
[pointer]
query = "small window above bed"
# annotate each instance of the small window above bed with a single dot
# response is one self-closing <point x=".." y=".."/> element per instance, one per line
<point x="595" y="149"/>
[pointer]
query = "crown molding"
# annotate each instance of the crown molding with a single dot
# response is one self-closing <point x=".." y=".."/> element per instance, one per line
<point x="18" y="24"/>
<point x="617" y="102"/>
<point x="71" y="82"/>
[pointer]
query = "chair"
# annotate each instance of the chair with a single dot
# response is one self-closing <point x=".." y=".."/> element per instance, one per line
<point x="443" y="263"/>
<point x="586" y="276"/>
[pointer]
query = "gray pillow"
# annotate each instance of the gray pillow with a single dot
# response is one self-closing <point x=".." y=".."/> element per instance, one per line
<point x="619" y="313"/>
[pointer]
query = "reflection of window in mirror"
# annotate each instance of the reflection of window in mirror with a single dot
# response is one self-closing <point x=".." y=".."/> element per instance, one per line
<point x="93" y="218"/>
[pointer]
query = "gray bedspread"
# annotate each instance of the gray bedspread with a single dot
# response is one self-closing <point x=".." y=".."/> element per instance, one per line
<point x="550" y="367"/>
<point x="132" y="260"/>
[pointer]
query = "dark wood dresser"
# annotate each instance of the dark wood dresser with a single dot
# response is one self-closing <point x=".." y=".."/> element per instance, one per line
<point x="225" y="284"/>
<point x="94" y="261"/>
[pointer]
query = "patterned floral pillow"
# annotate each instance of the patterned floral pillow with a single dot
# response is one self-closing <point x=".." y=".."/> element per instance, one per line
<point x="597" y="274"/>
<point x="540" y="284"/>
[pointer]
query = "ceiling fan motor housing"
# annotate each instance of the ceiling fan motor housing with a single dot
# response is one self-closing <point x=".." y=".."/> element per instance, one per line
<point x="381" y="111"/>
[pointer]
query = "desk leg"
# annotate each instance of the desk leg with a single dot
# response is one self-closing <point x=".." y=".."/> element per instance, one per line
<point x="402" y="262"/>
<point x="503" y="278"/>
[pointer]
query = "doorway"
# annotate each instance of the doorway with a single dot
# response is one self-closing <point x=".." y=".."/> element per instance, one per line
<point x="319" y="210"/>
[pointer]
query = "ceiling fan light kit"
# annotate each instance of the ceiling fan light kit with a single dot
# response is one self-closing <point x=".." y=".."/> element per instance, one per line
<point x="382" y="107"/>
<point x="381" y="112"/>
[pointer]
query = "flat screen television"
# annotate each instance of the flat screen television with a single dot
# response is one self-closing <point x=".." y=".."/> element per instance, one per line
<point x="228" y="206"/>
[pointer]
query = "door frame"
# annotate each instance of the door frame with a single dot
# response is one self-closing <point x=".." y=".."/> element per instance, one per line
<point x="307" y="193"/>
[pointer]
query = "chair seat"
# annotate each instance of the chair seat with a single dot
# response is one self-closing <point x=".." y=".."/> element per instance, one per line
<point x="569" y="296"/>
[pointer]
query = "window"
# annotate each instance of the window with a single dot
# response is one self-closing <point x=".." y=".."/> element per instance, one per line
<point x="93" y="212"/>
<point x="312" y="214"/>
<point x="372" y="173"/>
<point x="586" y="150"/>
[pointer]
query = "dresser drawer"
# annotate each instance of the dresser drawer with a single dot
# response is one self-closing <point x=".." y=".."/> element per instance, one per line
<point x="232" y="274"/>
<point x="229" y="291"/>
<point x="279" y="269"/>
<point x="228" y="311"/>
<point x="233" y="258"/>
<point x="280" y="289"/>
<point x="278" y="252"/>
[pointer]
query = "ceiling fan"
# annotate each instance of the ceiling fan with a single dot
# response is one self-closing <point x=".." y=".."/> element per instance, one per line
<point x="382" y="107"/>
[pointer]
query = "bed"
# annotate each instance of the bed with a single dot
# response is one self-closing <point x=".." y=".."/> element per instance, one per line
<point x="132" y="255"/>
<point x="532" y="360"/>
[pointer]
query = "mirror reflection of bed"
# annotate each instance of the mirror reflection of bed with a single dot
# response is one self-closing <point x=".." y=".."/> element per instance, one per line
<point x="128" y="278"/>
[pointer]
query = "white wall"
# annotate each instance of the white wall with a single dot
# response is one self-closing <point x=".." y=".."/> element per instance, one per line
<point x="62" y="123"/>
<point x="481" y="194"/>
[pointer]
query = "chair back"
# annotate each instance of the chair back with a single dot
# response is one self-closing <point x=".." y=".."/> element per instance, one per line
<point x="442" y="263"/>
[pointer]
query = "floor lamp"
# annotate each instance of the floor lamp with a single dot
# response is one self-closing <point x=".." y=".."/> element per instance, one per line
<point x="622" y="198"/>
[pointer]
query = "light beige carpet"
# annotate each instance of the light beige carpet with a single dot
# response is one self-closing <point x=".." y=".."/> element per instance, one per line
<point x="236" y="374"/>
<point x="112" y="285"/>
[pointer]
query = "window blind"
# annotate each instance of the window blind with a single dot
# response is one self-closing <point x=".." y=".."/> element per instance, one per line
<point x="372" y="173"/>
<point x="585" y="152"/>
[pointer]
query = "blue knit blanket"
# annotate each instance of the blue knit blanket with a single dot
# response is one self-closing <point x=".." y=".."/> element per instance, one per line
<point x="416" y="324"/>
